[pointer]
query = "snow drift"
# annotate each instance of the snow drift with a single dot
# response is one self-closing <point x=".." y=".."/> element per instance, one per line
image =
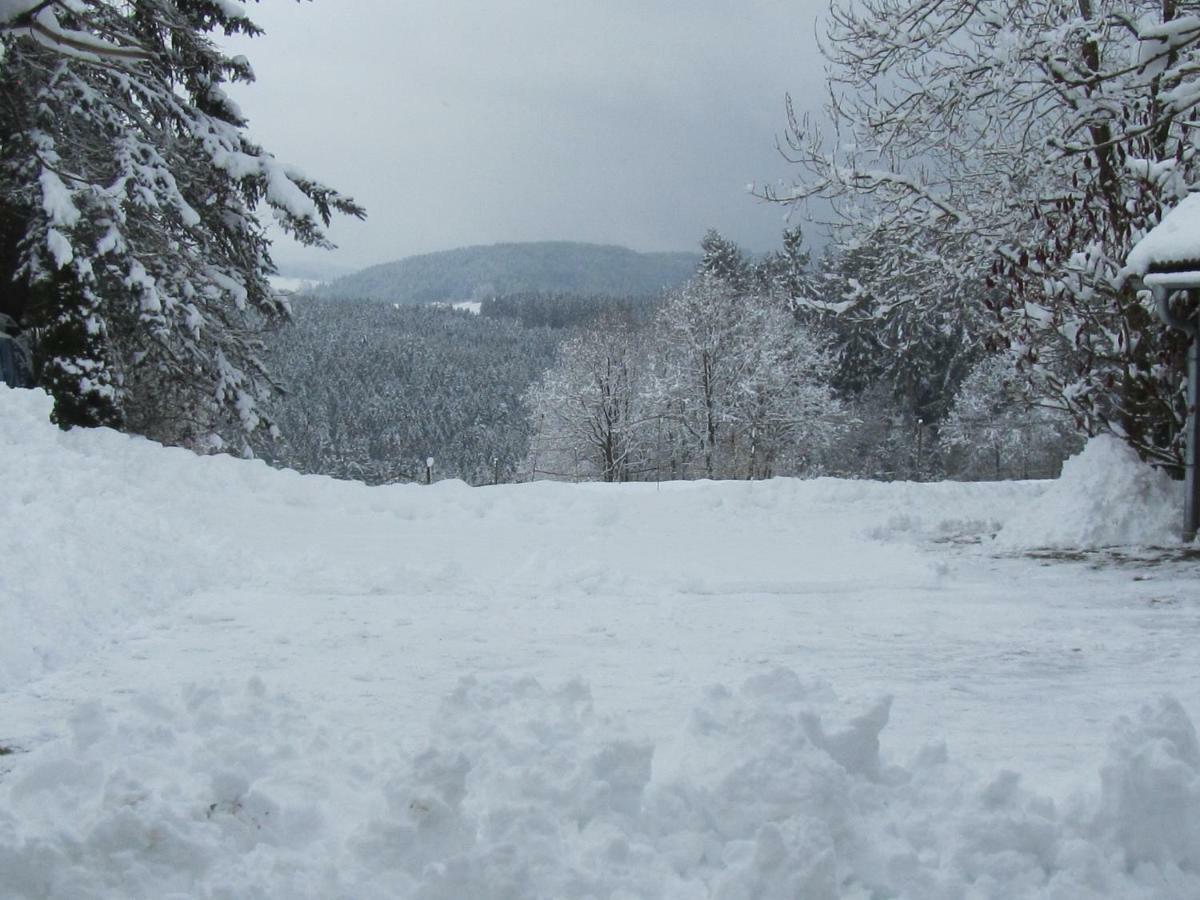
<point x="104" y="529"/>
<point x="1106" y="497"/>
<point x="93" y="535"/>
<point x="265" y="701"/>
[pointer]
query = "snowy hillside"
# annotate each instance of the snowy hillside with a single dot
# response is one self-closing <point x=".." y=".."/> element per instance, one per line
<point x="220" y="680"/>
<point x="473" y="273"/>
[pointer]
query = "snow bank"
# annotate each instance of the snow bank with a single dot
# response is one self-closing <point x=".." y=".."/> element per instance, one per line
<point x="921" y="512"/>
<point x="1105" y="497"/>
<point x="528" y="791"/>
<point x="102" y="530"/>
<point x="90" y="539"/>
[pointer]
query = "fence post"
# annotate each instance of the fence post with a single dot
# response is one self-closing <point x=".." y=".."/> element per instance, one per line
<point x="920" y="446"/>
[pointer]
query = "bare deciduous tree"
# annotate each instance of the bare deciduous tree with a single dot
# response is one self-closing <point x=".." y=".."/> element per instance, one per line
<point x="587" y="408"/>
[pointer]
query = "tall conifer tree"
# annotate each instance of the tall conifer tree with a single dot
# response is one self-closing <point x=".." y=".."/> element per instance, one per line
<point x="128" y="190"/>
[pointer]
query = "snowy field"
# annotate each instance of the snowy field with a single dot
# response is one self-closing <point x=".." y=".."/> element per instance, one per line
<point x="222" y="681"/>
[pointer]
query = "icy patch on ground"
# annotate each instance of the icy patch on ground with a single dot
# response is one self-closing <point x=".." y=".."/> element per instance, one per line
<point x="528" y="791"/>
<point x="1106" y="497"/>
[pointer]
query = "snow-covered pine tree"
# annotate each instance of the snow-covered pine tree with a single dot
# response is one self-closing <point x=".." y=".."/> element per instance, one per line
<point x="79" y="36"/>
<point x="787" y="272"/>
<point x="724" y="260"/>
<point x="900" y="316"/>
<point x="128" y="190"/>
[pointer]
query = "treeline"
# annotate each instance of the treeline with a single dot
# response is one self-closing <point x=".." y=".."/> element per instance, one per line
<point x="762" y="367"/>
<point x="372" y="390"/>
<point x="977" y="311"/>
<point x="544" y="309"/>
<point x="757" y="367"/>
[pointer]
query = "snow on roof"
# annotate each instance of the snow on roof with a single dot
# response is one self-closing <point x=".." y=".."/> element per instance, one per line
<point x="1173" y="244"/>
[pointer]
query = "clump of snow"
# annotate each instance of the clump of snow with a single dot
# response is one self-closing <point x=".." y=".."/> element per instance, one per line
<point x="57" y="202"/>
<point x="524" y="790"/>
<point x="288" y="285"/>
<point x="10" y="9"/>
<point x="1150" y="798"/>
<point x="1105" y="497"/>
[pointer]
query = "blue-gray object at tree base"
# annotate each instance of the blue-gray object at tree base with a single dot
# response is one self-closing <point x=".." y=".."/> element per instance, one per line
<point x="16" y="366"/>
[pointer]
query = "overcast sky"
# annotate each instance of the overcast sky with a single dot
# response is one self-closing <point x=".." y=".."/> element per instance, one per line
<point x="458" y="122"/>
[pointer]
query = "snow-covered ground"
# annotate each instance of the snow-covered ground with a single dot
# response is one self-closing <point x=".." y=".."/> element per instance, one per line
<point x="218" y="680"/>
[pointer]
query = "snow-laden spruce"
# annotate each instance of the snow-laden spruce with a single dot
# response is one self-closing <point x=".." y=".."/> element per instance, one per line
<point x="130" y="244"/>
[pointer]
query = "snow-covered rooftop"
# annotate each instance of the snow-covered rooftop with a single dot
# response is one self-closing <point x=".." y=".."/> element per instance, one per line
<point x="1172" y="245"/>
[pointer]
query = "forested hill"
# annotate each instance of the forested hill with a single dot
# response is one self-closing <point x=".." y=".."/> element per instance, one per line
<point x="475" y="273"/>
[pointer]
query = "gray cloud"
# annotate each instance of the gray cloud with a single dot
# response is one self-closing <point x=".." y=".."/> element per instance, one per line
<point x="457" y="122"/>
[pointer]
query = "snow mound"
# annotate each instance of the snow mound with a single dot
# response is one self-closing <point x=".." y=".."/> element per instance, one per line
<point x="103" y="531"/>
<point x="90" y="539"/>
<point x="529" y="791"/>
<point x="1105" y="497"/>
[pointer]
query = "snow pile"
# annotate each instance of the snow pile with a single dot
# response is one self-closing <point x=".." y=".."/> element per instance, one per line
<point x="528" y="791"/>
<point x="533" y="796"/>
<point x="91" y="536"/>
<point x="102" y="530"/>
<point x="1150" y="802"/>
<point x="1105" y="497"/>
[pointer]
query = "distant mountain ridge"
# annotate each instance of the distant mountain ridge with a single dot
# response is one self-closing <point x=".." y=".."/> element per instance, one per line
<point x="473" y="273"/>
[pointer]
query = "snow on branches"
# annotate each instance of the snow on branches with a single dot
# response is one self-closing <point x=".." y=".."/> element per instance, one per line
<point x="723" y="383"/>
<point x="128" y="190"/>
<point x="43" y="21"/>
<point x="1027" y="144"/>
